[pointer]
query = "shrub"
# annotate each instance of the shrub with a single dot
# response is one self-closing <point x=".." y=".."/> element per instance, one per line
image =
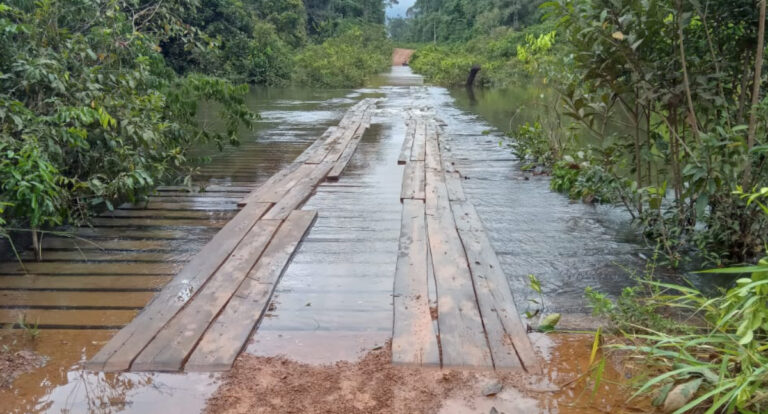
<point x="346" y="60"/>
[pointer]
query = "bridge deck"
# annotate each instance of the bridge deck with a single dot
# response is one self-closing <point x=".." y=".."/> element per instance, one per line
<point x="188" y="276"/>
<point x="447" y="271"/>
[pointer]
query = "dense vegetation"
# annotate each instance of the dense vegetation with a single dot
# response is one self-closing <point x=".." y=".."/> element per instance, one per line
<point x="659" y="107"/>
<point x="98" y="98"/>
<point x="668" y="97"/>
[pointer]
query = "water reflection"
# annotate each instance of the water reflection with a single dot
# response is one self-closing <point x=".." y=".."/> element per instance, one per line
<point x="98" y="393"/>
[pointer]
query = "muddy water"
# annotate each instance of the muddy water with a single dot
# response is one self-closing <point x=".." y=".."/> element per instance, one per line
<point x="334" y="301"/>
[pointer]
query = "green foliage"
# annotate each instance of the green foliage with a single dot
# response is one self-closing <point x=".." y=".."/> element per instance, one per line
<point x="682" y="335"/>
<point x="681" y="85"/>
<point x="721" y="339"/>
<point x="89" y="112"/>
<point x="461" y="20"/>
<point x="346" y="60"/>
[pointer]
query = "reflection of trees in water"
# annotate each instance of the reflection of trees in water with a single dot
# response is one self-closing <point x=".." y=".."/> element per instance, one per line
<point x="101" y="393"/>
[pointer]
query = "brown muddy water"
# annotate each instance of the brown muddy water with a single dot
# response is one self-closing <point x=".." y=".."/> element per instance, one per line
<point x="334" y="300"/>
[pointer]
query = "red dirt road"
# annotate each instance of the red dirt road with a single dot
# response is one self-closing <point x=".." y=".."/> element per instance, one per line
<point x="400" y="56"/>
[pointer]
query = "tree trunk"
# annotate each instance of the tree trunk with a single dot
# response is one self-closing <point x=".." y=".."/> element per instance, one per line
<point x="755" y="94"/>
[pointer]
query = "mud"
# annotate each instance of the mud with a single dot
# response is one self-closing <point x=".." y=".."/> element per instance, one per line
<point x="372" y="385"/>
<point x="16" y="362"/>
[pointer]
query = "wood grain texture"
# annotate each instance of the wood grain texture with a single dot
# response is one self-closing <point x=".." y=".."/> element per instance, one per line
<point x="414" y="340"/>
<point x="462" y="337"/>
<point x="123" y="348"/>
<point x="405" y="150"/>
<point x="414" y="180"/>
<point x="418" y="150"/>
<point x="294" y="198"/>
<point x="227" y="335"/>
<point x="507" y="336"/>
<point x="168" y="350"/>
<point x="272" y="184"/>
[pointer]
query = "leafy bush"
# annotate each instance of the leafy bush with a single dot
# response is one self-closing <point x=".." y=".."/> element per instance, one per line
<point x="90" y="114"/>
<point x="713" y="346"/>
<point x="346" y="60"/>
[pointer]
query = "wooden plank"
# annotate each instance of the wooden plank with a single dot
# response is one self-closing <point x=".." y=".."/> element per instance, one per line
<point x="272" y="182"/>
<point x="118" y="354"/>
<point x="433" y="159"/>
<point x="315" y="153"/>
<point x="171" y="214"/>
<point x="506" y="334"/>
<point x="405" y="150"/>
<point x="159" y="222"/>
<point x="462" y="337"/>
<point x="119" y="244"/>
<point x="349" y="151"/>
<point x="92" y="256"/>
<point x="343" y="142"/>
<point x="299" y="193"/>
<point x="223" y="195"/>
<point x="277" y="190"/>
<point x="206" y="188"/>
<point x="418" y="151"/>
<point x="453" y="182"/>
<point x="169" y="349"/>
<point x="414" y="340"/>
<point x="69" y="268"/>
<point x="97" y="233"/>
<point x="414" y="179"/>
<point x="59" y="318"/>
<point x="219" y="205"/>
<point x="17" y="298"/>
<point x="84" y="283"/>
<point x="227" y="335"/>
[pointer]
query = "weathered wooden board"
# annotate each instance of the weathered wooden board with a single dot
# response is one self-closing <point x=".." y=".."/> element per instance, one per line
<point x="104" y="300"/>
<point x="85" y="283"/>
<point x="274" y="182"/>
<point x="507" y="336"/>
<point x="226" y="204"/>
<point x="120" y="352"/>
<point x="227" y="335"/>
<point x="327" y="141"/>
<point x="414" y="180"/>
<point x="432" y="157"/>
<point x="275" y="192"/>
<point x="299" y="193"/>
<point x="69" y="268"/>
<point x="51" y="243"/>
<point x="343" y="142"/>
<point x="144" y="233"/>
<point x="418" y="150"/>
<point x="462" y="337"/>
<point x="414" y="340"/>
<point x="70" y="318"/>
<point x="171" y="214"/>
<point x="207" y="188"/>
<point x="156" y="222"/>
<point x="92" y="256"/>
<point x="349" y="151"/>
<point x="405" y="150"/>
<point x="168" y="350"/>
<point x="455" y="187"/>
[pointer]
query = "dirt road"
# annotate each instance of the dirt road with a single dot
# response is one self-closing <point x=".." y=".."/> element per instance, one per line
<point x="400" y="56"/>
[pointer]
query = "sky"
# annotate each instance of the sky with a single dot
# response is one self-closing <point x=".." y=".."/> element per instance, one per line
<point x="398" y="10"/>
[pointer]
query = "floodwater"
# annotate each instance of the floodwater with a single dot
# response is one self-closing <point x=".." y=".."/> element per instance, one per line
<point x="334" y="300"/>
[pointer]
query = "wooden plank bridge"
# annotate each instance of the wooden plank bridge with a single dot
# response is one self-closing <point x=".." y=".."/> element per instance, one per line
<point x="206" y="296"/>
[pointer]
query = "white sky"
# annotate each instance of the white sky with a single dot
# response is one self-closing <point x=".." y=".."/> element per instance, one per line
<point x="398" y="10"/>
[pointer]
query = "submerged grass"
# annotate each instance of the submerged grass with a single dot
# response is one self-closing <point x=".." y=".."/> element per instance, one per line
<point x="701" y="352"/>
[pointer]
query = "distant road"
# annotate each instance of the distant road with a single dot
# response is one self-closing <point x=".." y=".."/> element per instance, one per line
<point x="400" y="56"/>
